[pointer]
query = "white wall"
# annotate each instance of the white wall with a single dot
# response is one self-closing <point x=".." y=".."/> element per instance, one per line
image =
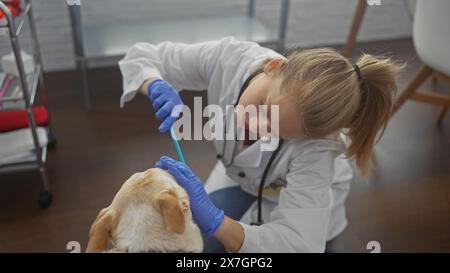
<point x="312" y="22"/>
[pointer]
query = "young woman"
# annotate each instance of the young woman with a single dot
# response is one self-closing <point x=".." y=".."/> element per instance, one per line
<point x="307" y="178"/>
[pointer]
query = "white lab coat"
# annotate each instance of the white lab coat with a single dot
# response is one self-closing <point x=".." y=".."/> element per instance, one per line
<point x="313" y="177"/>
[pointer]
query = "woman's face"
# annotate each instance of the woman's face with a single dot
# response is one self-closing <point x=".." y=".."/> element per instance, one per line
<point x="256" y="94"/>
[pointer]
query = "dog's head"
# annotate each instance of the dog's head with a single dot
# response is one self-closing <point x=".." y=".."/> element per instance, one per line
<point x="149" y="213"/>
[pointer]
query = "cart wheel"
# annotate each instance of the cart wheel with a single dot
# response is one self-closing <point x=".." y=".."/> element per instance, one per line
<point x="45" y="199"/>
<point x="51" y="141"/>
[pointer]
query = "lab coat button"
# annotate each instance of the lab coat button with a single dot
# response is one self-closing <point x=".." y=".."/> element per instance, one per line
<point x="218" y="156"/>
<point x="241" y="174"/>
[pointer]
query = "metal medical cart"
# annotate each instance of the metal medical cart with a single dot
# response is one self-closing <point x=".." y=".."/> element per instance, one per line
<point x="106" y="44"/>
<point x="29" y="88"/>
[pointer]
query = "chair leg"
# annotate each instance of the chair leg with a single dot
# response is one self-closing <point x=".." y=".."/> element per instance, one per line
<point x="434" y="80"/>
<point x="436" y="77"/>
<point x="357" y="19"/>
<point x="442" y="115"/>
<point x="417" y="81"/>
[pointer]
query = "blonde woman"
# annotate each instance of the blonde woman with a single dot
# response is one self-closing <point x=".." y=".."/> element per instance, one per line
<point x="320" y="95"/>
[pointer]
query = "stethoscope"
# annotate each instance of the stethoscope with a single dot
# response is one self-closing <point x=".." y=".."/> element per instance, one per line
<point x="259" y="220"/>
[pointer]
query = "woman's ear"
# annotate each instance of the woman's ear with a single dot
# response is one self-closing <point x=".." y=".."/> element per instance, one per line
<point x="100" y="231"/>
<point x="273" y="65"/>
<point x="169" y="206"/>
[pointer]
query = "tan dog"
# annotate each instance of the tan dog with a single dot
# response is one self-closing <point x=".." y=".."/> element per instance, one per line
<point x="150" y="213"/>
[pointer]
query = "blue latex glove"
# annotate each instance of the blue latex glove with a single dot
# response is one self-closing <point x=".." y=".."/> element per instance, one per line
<point x="207" y="216"/>
<point x="164" y="98"/>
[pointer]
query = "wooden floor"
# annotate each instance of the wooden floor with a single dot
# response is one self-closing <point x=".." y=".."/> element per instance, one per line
<point x="405" y="206"/>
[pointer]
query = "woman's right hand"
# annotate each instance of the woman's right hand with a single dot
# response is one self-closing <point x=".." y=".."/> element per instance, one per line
<point x="166" y="101"/>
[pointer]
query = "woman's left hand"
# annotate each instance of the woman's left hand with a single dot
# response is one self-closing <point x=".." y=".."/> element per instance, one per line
<point x="206" y="214"/>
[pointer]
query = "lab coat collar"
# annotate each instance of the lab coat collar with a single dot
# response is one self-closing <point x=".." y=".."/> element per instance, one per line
<point x="253" y="155"/>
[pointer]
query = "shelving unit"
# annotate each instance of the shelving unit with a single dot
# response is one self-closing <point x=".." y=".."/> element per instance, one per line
<point x="29" y="89"/>
<point x="106" y="44"/>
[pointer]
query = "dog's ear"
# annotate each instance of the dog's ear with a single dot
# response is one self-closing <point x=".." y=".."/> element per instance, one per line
<point x="100" y="231"/>
<point x="169" y="206"/>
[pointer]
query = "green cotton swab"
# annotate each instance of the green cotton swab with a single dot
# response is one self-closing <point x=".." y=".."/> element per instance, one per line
<point x="177" y="145"/>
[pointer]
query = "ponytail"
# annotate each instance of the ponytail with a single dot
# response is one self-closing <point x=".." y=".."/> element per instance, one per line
<point x="378" y="91"/>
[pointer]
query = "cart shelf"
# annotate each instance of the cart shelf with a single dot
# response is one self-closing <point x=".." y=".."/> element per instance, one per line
<point x="25" y="165"/>
<point x="33" y="84"/>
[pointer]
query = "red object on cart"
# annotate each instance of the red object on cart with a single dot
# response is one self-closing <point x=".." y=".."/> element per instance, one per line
<point x="13" y="6"/>
<point x="13" y="120"/>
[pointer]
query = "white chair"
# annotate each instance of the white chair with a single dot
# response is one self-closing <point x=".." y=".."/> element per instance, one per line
<point x="431" y="35"/>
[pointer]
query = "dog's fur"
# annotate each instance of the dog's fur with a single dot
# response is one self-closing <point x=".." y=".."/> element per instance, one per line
<point x="150" y="213"/>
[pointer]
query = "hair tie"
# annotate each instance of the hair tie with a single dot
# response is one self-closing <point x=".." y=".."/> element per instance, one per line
<point x="358" y="72"/>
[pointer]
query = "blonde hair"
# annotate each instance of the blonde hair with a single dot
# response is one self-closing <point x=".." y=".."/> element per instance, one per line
<point x="332" y="94"/>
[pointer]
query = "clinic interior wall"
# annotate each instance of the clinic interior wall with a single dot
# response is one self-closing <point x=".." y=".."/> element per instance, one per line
<point x="311" y="22"/>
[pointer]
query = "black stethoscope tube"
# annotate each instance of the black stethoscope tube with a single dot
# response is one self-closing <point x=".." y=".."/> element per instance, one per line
<point x="267" y="168"/>
<point x="259" y="220"/>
